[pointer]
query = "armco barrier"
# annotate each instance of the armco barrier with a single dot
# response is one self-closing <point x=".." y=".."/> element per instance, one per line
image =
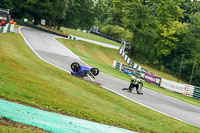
<point x="150" y="78"/>
<point x="107" y="37"/>
<point x="128" y="60"/>
<point x="20" y="22"/>
<point x="126" y="69"/>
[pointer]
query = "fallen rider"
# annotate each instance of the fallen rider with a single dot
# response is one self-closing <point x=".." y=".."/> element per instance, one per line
<point x="135" y="83"/>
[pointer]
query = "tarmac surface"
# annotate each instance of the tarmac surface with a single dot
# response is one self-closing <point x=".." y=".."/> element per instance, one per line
<point x="53" y="52"/>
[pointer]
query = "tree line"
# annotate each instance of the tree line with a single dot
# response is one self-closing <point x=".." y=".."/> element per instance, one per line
<point x="164" y="34"/>
<point x="57" y="13"/>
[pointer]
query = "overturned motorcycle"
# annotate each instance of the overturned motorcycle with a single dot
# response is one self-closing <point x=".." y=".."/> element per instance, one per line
<point x="82" y="71"/>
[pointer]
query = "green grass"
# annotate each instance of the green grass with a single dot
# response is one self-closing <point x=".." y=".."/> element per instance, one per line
<point x="101" y="57"/>
<point x="88" y="36"/>
<point x="9" y="126"/>
<point x="9" y="129"/>
<point x="27" y="79"/>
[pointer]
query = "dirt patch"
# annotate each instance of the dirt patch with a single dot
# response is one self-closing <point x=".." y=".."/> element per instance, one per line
<point x="10" y="123"/>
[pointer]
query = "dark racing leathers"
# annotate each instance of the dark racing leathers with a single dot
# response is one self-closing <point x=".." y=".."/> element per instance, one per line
<point x="135" y="84"/>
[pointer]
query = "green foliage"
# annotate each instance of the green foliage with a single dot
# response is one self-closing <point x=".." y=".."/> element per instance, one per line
<point x="193" y="38"/>
<point x="6" y="4"/>
<point x="189" y="7"/>
<point x="168" y="39"/>
<point x="107" y="29"/>
<point x="71" y="13"/>
<point x="80" y="14"/>
<point x="188" y="45"/>
<point x="164" y="30"/>
<point x="53" y="11"/>
<point x="117" y="32"/>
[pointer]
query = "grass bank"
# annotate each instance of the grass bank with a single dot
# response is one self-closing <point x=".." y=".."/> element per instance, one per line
<point x="27" y="79"/>
<point x="11" y="129"/>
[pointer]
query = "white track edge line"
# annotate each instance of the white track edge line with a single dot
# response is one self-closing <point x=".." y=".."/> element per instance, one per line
<point x="146" y="105"/>
<point x="38" y="54"/>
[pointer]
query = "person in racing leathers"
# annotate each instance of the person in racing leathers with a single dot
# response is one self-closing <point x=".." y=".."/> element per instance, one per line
<point x="135" y="83"/>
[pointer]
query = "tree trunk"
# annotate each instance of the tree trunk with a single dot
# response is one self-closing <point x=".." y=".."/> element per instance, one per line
<point x="131" y="51"/>
<point x="195" y="58"/>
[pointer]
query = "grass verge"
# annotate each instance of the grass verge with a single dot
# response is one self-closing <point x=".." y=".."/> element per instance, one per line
<point x="27" y="79"/>
<point x="88" y="36"/>
<point x="8" y="126"/>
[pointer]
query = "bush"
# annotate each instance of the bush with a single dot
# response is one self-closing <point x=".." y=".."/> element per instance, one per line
<point x="117" y="32"/>
<point x="128" y="36"/>
<point x="106" y="30"/>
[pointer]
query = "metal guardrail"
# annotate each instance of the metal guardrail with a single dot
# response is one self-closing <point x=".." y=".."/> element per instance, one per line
<point x="105" y="36"/>
<point x="4" y="12"/>
<point x="20" y="22"/>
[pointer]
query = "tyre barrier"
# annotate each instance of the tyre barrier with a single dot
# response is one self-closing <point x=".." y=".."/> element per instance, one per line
<point x="6" y="25"/>
<point x="72" y="38"/>
<point x="7" y="28"/>
<point x="196" y="93"/>
<point x="189" y="90"/>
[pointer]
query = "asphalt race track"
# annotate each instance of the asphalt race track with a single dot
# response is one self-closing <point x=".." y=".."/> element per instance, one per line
<point x="50" y="50"/>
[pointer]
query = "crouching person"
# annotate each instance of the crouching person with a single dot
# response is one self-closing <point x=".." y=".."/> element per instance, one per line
<point x="135" y="83"/>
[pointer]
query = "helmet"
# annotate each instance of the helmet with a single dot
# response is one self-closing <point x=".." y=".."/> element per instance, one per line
<point x="133" y="77"/>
